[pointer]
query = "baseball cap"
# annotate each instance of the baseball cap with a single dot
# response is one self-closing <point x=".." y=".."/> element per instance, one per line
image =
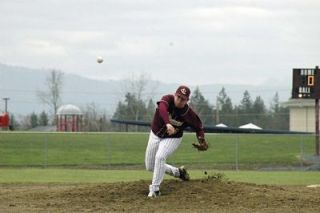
<point x="183" y="91"/>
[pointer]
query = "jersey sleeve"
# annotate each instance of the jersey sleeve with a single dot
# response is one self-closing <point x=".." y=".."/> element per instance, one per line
<point x="163" y="106"/>
<point x="196" y="124"/>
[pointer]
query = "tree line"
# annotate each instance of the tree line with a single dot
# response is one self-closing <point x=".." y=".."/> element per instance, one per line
<point x="224" y="111"/>
<point x="139" y="108"/>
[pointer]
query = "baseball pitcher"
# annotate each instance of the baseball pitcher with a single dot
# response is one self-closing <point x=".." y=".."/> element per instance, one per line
<point x="172" y="116"/>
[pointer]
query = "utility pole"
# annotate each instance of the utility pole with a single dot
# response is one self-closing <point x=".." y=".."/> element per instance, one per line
<point x="6" y="104"/>
<point x="317" y="145"/>
<point x="317" y="127"/>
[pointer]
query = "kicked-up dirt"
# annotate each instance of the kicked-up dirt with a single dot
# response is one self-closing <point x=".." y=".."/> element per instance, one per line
<point x="207" y="195"/>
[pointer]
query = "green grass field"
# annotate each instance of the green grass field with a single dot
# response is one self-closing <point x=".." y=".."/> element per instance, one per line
<point x="67" y="176"/>
<point x="60" y="155"/>
<point x="120" y="149"/>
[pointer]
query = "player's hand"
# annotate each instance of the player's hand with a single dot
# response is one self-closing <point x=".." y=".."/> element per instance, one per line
<point x="170" y="129"/>
<point x="202" y="144"/>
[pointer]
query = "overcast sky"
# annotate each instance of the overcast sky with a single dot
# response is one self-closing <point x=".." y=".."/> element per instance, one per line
<point x="192" y="42"/>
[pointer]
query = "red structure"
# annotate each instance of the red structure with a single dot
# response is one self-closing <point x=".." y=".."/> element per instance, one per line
<point x="69" y="119"/>
<point x="4" y="120"/>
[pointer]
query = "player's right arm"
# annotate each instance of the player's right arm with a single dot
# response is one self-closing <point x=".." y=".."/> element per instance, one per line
<point x="164" y="114"/>
<point x="196" y="124"/>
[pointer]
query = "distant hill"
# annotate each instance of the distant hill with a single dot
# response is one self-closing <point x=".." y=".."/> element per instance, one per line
<point x="20" y="84"/>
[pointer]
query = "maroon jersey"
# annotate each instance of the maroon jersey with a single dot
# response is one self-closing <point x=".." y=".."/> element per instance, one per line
<point x="180" y="119"/>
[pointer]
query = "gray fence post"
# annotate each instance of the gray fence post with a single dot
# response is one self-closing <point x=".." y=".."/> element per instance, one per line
<point x="237" y="153"/>
<point x="45" y="164"/>
<point x="301" y="152"/>
<point x="109" y="152"/>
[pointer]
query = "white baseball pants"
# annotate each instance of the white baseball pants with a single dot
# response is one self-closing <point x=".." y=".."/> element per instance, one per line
<point x="158" y="150"/>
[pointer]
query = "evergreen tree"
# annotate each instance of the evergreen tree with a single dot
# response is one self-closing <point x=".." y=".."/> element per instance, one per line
<point x="259" y="112"/>
<point x="121" y="112"/>
<point x="150" y="110"/>
<point x="245" y="109"/>
<point x="224" y="105"/>
<point x="246" y="102"/>
<point x="258" y="106"/>
<point x="132" y="109"/>
<point x="283" y="118"/>
<point x="43" y="119"/>
<point x="275" y="106"/>
<point x="278" y="117"/>
<point x="200" y="105"/>
<point x="33" y="120"/>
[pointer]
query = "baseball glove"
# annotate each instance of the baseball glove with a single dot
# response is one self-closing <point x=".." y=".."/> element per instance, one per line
<point x="202" y="144"/>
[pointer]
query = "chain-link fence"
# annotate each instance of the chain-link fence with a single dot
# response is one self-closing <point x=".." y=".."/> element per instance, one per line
<point x="127" y="150"/>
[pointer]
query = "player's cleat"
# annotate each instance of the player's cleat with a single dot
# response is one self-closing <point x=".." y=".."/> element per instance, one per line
<point x="154" y="194"/>
<point x="184" y="175"/>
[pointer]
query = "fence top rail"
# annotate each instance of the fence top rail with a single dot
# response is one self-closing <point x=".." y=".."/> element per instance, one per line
<point x="145" y="133"/>
<point x="71" y="133"/>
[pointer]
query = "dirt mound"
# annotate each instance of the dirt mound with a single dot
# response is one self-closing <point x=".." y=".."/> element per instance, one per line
<point x="206" y="195"/>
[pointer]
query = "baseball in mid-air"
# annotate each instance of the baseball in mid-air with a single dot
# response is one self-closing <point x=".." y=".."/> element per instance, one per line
<point x="99" y="59"/>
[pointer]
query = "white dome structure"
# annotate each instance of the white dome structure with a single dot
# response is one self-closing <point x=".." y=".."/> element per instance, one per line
<point x="250" y="126"/>
<point x="69" y="118"/>
<point x="69" y="109"/>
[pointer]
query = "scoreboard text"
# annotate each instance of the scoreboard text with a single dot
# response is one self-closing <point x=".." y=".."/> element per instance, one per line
<point x="306" y="83"/>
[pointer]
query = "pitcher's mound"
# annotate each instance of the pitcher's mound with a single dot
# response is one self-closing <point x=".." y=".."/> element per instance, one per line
<point x="208" y="195"/>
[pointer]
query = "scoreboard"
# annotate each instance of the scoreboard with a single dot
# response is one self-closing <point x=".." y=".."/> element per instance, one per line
<point x="306" y="83"/>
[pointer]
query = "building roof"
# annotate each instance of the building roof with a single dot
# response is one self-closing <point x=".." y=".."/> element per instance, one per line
<point x="299" y="103"/>
<point x="69" y="109"/>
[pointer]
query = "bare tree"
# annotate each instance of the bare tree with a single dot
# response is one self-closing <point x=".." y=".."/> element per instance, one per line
<point x="94" y="119"/>
<point x="25" y="122"/>
<point x="136" y="87"/>
<point x="52" y="96"/>
<point x="91" y="117"/>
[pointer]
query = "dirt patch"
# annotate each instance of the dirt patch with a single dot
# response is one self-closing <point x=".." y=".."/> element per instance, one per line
<point x="208" y="195"/>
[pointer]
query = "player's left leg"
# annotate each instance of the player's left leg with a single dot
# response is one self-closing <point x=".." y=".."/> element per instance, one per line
<point x="167" y="146"/>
